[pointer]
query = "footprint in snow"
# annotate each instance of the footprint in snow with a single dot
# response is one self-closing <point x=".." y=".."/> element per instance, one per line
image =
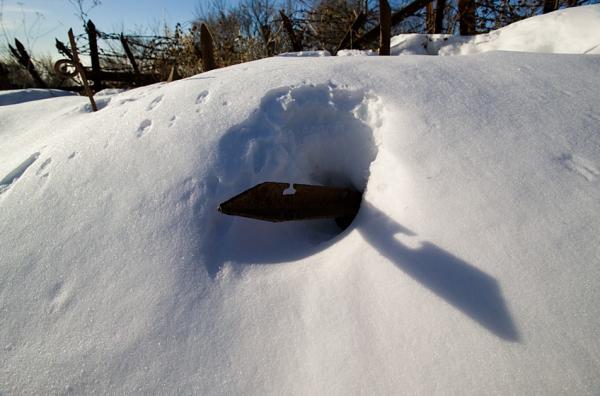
<point x="43" y="166"/>
<point x="9" y="180"/>
<point x="583" y="167"/>
<point x="144" y="128"/>
<point x="172" y="121"/>
<point x="60" y="296"/>
<point x="155" y="102"/>
<point x="73" y="154"/>
<point x="126" y="100"/>
<point x="201" y="99"/>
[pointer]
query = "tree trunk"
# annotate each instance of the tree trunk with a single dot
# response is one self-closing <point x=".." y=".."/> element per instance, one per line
<point x="466" y="12"/>
<point x="385" y="21"/>
<point x="550" y="5"/>
<point x="439" y="16"/>
<point x="206" y="45"/>
<point x="93" y="40"/>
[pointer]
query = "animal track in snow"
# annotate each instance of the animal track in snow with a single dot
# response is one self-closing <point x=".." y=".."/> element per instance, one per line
<point x="9" y="180"/>
<point x="60" y="297"/>
<point x="73" y="154"/>
<point x="581" y="166"/>
<point x="144" y="127"/>
<point x="126" y="100"/>
<point x="172" y="121"/>
<point x="43" y="166"/>
<point x="155" y="102"/>
<point x="202" y="97"/>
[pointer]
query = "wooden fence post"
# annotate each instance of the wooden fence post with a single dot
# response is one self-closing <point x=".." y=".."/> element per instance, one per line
<point x="289" y="28"/>
<point x="81" y="71"/>
<point x="206" y="46"/>
<point x="439" y="16"/>
<point x="25" y="60"/>
<point x="348" y="37"/>
<point x="385" y="21"/>
<point x="396" y="18"/>
<point x="93" y="40"/>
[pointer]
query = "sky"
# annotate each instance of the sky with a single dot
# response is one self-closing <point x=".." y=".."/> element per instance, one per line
<point x="37" y="22"/>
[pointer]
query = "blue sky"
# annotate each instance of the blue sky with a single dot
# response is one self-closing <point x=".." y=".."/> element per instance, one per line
<point x="43" y="20"/>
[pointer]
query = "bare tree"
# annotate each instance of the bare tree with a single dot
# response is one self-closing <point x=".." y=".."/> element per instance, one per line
<point x="83" y="8"/>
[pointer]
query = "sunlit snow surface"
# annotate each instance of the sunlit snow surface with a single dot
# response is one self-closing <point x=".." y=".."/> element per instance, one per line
<point x="471" y="268"/>
<point x="568" y="31"/>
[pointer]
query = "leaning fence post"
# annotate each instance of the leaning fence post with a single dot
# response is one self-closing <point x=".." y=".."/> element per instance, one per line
<point x="81" y="70"/>
<point x="25" y="60"/>
<point x="206" y="46"/>
<point x="131" y="58"/>
<point x="93" y="40"/>
<point x="385" y="21"/>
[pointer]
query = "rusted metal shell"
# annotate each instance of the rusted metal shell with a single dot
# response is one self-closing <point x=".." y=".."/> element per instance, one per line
<point x="272" y="201"/>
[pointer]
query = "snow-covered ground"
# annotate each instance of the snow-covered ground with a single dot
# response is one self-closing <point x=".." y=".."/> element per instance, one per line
<point x="568" y="31"/>
<point x="471" y="268"/>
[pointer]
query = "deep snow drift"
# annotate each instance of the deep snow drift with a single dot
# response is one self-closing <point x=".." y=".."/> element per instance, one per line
<point x="471" y="268"/>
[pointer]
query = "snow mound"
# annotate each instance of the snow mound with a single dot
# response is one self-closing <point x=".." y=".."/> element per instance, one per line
<point x="568" y="31"/>
<point x="471" y="267"/>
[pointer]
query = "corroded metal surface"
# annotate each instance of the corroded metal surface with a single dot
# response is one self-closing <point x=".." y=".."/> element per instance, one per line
<point x="271" y="201"/>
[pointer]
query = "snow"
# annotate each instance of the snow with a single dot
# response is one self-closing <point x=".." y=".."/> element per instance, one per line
<point x="355" y="52"/>
<point x="306" y="54"/>
<point x="567" y="31"/>
<point x="16" y="96"/>
<point x="471" y="268"/>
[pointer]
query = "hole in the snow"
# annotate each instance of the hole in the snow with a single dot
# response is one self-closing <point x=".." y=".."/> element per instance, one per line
<point x="319" y="135"/>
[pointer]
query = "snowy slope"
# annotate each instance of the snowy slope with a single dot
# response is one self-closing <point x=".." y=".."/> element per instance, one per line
<point x="568" y="31"/>
<point x="471" y="268"/>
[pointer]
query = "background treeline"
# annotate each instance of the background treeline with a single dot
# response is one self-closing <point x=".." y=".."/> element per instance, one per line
<point x="255" y="29"/>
